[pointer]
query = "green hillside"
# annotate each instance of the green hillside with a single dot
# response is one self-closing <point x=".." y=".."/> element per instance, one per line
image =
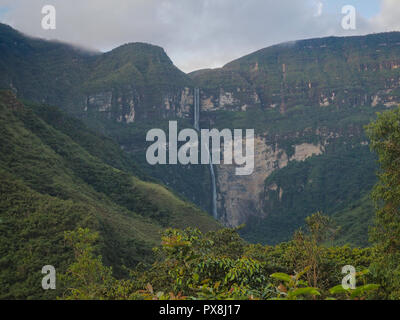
<point x="57" y="175"/>
<point x="60" y="74"/>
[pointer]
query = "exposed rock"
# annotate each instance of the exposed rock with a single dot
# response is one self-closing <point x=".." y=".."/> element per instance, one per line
<point x="306" y="150"/>
<point x="185" y="103"/>
<point x="100" y="101"/>
<point x="226" y="98"/>
<point x="131" y="116"/>
<point x="242" y="196"/>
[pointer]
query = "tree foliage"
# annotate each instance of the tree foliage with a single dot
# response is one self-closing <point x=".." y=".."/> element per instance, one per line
<point x="385" y="141"/>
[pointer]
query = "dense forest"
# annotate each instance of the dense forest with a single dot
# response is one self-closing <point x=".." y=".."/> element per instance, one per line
<point x="71" y="198"/>
<point x="191" y="264"/>
<point x="57" y="175"/>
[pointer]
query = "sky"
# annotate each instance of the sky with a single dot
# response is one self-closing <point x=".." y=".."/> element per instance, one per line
<point x="198" y="34"/>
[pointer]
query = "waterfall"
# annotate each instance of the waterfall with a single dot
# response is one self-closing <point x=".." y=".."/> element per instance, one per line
<point x="196" y="125"/>
<point x="197" y="109"/>
<point x="214" y="190"/>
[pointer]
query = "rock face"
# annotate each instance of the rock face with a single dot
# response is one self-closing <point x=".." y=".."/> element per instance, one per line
<point x="306" y="150"/>
<point x="238" y="99"/>
<point x="240" y="197"/>
<point x="130" y="105"/>
<point x="336" y="72"/>
<point x="100" y="102"/>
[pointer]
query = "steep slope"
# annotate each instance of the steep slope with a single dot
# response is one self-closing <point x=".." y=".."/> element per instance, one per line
<point x="42" y="71"/>
<point x="135" y="83"/>
<point x="135" y="79"/>
<point x="129" y="82"/>
<point x="57" y="175"/>
<point x="348" y="71"/>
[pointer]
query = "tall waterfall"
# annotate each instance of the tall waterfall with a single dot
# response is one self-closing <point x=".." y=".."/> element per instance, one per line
<point x="214" y="190"/>
<point x="197" y="109"/>
<point x="196" y="124"/>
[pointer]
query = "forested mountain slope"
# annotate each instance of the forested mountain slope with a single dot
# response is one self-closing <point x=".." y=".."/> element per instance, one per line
<point x="57" y="175"/>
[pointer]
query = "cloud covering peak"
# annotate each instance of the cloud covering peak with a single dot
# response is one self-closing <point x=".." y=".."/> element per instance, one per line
<point x="195" y="33"/>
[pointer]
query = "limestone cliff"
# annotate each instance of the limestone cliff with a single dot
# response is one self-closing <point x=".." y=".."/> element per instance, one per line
<point x="242" y="196"/>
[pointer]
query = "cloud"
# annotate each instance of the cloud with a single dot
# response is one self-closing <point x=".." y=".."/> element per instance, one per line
<point x="389" y="17"/>
<point x="195" y="33"/>
<point x="320" y="7"/>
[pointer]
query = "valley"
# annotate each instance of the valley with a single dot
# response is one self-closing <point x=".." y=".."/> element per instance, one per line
<point x="308" y="102"/>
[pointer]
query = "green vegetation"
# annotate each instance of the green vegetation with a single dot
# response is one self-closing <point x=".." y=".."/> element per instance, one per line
<point x="385" y="141"/>
<point x="191" y="182"/>
<point x="308" y="186"/>
<point x="63" y="75"/>
<point x="315" y="185"/>
<point x="56" y="175"/>
<point x="219" y="265"/>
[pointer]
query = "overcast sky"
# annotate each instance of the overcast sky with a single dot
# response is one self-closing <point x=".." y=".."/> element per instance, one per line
<point x="198" y="34"/>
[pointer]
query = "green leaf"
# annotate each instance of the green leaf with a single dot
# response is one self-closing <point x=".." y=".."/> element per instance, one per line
<point x="363" y="289"/>
<point x="338" y="289"/>
<point x="281" y="276"/>
<point x="305" y="291"/>
<point x="300" y="274"/>
<point x="361" y="273"/>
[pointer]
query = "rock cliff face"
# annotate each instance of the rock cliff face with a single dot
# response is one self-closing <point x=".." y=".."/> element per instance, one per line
<point x="131" y="105"/>
<point x="237" y="100"/>
<point x="326" y="72"/>
<point x="240" y="197"/>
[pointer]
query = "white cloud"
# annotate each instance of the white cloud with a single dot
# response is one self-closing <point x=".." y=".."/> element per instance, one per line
<point x="320" y="7"/>
<point x="195" y="33"/>
<point x="389" y="17"/>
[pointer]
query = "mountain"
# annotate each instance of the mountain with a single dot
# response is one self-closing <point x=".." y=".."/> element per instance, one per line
<point x="123" y="84"/>
<point x="346" y="71"/>
<point x="308" y="102"/>
<point x="57" y="175"/>
<point x="109" y="92"/>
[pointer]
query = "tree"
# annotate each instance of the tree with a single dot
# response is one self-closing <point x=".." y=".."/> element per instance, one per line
<point x="87" y="278"/>
<point x="307" y="250"/>
<point x="384" y="134"/>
